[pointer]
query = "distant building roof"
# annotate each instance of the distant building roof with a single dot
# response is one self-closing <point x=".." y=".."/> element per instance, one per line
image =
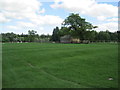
<point x="65" y="39"/>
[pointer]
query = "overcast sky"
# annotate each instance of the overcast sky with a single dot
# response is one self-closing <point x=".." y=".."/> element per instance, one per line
<point x="19" y="16"/>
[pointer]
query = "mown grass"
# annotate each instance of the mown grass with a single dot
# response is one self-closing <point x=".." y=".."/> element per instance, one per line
<point x="35" y="65"/>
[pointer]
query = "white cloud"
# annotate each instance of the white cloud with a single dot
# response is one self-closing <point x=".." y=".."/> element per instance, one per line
<point x="41" y="24"/>
<point x="107" y="0"/>
<point x="88" y="7"/>
<point x="3" y="19"/>
<point x="20" y="5"/>
<point x="42" y="11"/>
<point x="19" y="9"/>
<point x="25" y="24"/>
<point x="23" y="27"/>
<point x="101" y="18"/>
<point x="111" y="26"/>
<point x="113" y="19"/>
<point x="26" y="9"/>
<point x="12" y="27"/>
<point x="30" y="10"/>
<point x="47" y="20"/>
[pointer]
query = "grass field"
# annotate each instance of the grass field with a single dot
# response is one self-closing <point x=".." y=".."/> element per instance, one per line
<point x="35" y="65"/>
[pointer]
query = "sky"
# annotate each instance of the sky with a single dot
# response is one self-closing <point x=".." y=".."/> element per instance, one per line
<point x="43" y="16"/>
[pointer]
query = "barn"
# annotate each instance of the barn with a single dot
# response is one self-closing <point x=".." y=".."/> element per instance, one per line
<point x="69" y="39"/>
<point x="65" y="39"/>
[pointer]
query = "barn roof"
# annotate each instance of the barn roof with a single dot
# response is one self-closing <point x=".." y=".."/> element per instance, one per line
<point x="66" y="37"/>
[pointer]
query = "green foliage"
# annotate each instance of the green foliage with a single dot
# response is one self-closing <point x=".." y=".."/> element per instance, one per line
<point x="73" y="25"/>
<point x="104" y="36"/>
<point x="64" y="31"/>
<point x="8" y="37"/>
<point x="55" y="35"/>
<point x="90" y="35"/>
<point x="77" y="26"/>
<point x="32" y="35"/>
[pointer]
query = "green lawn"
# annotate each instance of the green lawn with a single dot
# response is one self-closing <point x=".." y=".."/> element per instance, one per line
<point x="35" y="65"/>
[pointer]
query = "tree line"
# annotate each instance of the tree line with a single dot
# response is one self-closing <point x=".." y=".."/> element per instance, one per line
<point x="92" y="36"/>
<point x="77" y="27"/>
<point x="73" y="25"/>
<point x="32" y="36"/>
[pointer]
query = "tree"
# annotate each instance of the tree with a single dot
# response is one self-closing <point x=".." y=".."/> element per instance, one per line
<point x="9" y="37"/>
<point x="55" y="35"/>
<point x="32" y="35"/>
<point x="104" y="36"/>
<point x="114" y="36"/>
<point x="43" y="36"/>
<point x="64" y="31"/>
<point x="77" y="26"/>
<point x="90" y="35"/>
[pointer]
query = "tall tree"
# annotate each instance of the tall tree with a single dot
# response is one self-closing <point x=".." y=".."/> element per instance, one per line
<point x="90" y="35"/>
<point x="104" y="36"/>
<point x="9" y="37"/>
<point x="56" y="35"/>
<point x="32" y="35"/>
<point x="77" y="25"/>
